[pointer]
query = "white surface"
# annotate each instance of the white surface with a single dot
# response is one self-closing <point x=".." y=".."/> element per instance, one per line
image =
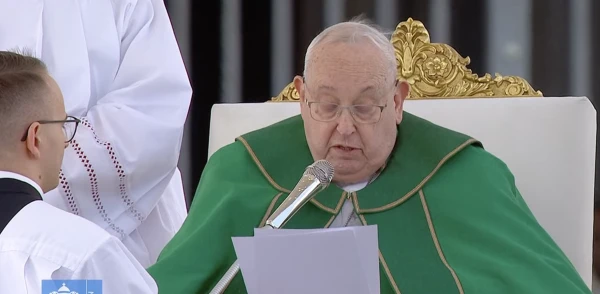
<point x="548" y="143"/>
<point x="341" y="260"/>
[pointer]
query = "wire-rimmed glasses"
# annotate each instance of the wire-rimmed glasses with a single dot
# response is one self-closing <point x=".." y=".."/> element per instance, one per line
<point x="69" y="127"/>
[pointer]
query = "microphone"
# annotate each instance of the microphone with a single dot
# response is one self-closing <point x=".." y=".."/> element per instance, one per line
<point x="316" y="177"/>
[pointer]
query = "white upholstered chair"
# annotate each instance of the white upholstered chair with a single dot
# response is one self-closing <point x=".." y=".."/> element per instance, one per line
<point x="548" y="143"/>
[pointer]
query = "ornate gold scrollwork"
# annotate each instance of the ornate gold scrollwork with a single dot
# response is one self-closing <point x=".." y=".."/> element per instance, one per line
<point x="289" y="94"/>
<point x="436" y="70"/>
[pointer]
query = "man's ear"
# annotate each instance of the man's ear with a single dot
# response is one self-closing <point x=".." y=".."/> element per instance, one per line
<point x="32" y="141"/>
<point x="299" y="85"/>
<point x="402" y="91"/>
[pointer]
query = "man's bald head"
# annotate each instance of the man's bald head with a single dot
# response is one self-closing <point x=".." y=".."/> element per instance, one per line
<point x="25" y="91"/>
<point x="355" y="31"/>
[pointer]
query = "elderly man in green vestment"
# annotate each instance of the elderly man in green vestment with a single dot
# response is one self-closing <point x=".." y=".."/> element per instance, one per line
<point x="449" y="216"/>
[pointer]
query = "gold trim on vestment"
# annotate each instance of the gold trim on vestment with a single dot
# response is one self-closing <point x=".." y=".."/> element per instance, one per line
<point x="261" y="167"/>
<point x="355" y="202"/>
<point x="382" y="260"/>
<point x="330" y="221"/>
<point x="420" y="185"/>
<point x="278" y="187"/>
<point x="332" y="211"/>
<point x="321" y="206"/>
<point x="437" y="243"/>
<point x="337" y="209"/>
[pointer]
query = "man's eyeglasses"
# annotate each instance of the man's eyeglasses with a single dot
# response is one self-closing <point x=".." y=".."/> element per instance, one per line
<point x="69" y="127"/>
<point x="363" y="114"/>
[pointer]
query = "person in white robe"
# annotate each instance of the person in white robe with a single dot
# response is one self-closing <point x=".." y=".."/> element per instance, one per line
<point x="37" y="240"/>
<point x="122" y="74"/>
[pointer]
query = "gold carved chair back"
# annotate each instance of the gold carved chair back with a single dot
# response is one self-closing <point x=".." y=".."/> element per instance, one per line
<point x="437" y="71"/>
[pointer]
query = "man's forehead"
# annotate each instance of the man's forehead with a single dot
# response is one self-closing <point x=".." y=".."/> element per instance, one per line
<point x="336" y="81"/>
<point x="342" y="71"/>
<point x="362" y="88"/>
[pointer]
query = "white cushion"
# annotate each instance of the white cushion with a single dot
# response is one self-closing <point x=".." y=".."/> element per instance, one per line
<point x="548" y="143"/>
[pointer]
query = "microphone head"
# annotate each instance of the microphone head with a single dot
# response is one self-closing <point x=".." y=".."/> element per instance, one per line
<point x="322" y="170"/>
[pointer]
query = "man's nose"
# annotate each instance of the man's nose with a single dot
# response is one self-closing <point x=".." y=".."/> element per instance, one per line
<point x="346" y="123"/>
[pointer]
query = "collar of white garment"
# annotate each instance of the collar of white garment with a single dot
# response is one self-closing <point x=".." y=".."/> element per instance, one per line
<point x="11" y="175"/>
<point x="355" y="187"/>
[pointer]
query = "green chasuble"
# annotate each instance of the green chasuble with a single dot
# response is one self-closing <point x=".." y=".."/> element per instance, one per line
<point x="449" y="216"/>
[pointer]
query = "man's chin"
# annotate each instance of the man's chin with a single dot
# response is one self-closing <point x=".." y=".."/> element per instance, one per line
<point x="345" y="165"/>
<point x="345" y="174"/>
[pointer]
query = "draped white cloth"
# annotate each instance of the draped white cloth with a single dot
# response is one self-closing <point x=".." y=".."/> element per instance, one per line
<point x="120" y="70"/>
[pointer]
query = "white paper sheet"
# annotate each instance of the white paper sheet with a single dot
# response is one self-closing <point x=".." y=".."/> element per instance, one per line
<point x="244" y="248"/>
<point x="367" y="245"/>
<point x="337" y="260"/>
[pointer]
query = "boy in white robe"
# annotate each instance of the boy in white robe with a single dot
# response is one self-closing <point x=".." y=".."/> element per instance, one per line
<point x="121" y="72"/>
<point x="38" y="241"/>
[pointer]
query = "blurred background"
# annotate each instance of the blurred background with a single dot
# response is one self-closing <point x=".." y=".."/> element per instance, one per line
<point x="247" y="51"/>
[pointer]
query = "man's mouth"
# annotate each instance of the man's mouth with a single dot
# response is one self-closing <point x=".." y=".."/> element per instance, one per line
<point x="344" y="148"/>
